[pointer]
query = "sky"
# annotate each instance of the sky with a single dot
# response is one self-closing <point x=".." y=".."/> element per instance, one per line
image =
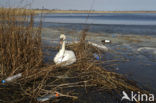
<point x="105" y="5"/>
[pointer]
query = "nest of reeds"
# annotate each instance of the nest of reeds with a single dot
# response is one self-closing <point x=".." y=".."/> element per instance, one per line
<point x="84" y="81"/>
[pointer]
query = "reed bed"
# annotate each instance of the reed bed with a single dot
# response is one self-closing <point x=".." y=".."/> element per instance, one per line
<point x="16" y="11"/>
<point x="20" y="43"/>
<point x="21" y="52"/>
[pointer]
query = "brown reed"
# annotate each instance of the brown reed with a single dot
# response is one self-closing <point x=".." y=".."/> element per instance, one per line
<point x="20" y="43"/>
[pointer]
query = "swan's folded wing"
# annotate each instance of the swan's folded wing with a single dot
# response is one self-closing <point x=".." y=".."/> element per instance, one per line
<point x="69" y="56"/>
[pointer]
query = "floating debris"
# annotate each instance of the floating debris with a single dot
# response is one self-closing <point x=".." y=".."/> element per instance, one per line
<point x="96" y="56"/>
<point x="47" y="97"/>
<point x="3" y="81"/>
<point x="10" y="79"/>
<point x="106" y="41"/>
<point x="53" y="96"/>
<point x="101" y="47"/>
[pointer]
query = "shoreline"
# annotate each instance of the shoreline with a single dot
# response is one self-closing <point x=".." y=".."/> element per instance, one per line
<point x="87" y="11"/>
<point x="38" y="11"/>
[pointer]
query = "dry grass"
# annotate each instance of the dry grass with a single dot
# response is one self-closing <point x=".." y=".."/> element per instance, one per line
<point x="20" y="44"/>
<point x="16" y="11"/>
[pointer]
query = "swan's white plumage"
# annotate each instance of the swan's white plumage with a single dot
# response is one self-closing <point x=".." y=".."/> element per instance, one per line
<point x="66" y="57"/>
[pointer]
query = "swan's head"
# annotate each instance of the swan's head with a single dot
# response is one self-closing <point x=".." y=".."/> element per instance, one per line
<point x="62" y="38"/>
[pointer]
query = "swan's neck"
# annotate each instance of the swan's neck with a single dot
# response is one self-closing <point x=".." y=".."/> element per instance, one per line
<point x="62" y="50"/>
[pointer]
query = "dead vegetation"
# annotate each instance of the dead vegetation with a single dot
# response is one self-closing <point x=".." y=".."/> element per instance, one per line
<point x="16" y="11"/>
<point x="20" y="44"/>
<point x="21" y="52"/>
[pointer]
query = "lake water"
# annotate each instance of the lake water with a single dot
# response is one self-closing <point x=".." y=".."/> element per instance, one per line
<point x="105" y="18"/>
<point x="142" y="64"/>
<point x="106" y="22"/>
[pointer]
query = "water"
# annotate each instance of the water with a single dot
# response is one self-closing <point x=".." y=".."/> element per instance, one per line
<point x="105" y="18"/>
<point x="141" y="64"/>
<point x="108" y="23"/>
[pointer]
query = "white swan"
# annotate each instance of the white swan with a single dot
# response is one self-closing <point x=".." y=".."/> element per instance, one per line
<point x="66" y="57"/>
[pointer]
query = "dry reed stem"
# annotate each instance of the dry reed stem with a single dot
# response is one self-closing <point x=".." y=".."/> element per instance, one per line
<point x="20" y="44"/>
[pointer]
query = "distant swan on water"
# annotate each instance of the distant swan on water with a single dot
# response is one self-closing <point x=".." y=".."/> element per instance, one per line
<point x="66" y="57"/>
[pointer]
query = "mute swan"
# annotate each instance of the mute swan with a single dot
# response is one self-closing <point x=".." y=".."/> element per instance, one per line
<point x="66" y="56"/>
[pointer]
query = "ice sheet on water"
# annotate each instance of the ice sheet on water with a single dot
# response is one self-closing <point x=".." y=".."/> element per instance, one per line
<point x="149" y="52"/>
